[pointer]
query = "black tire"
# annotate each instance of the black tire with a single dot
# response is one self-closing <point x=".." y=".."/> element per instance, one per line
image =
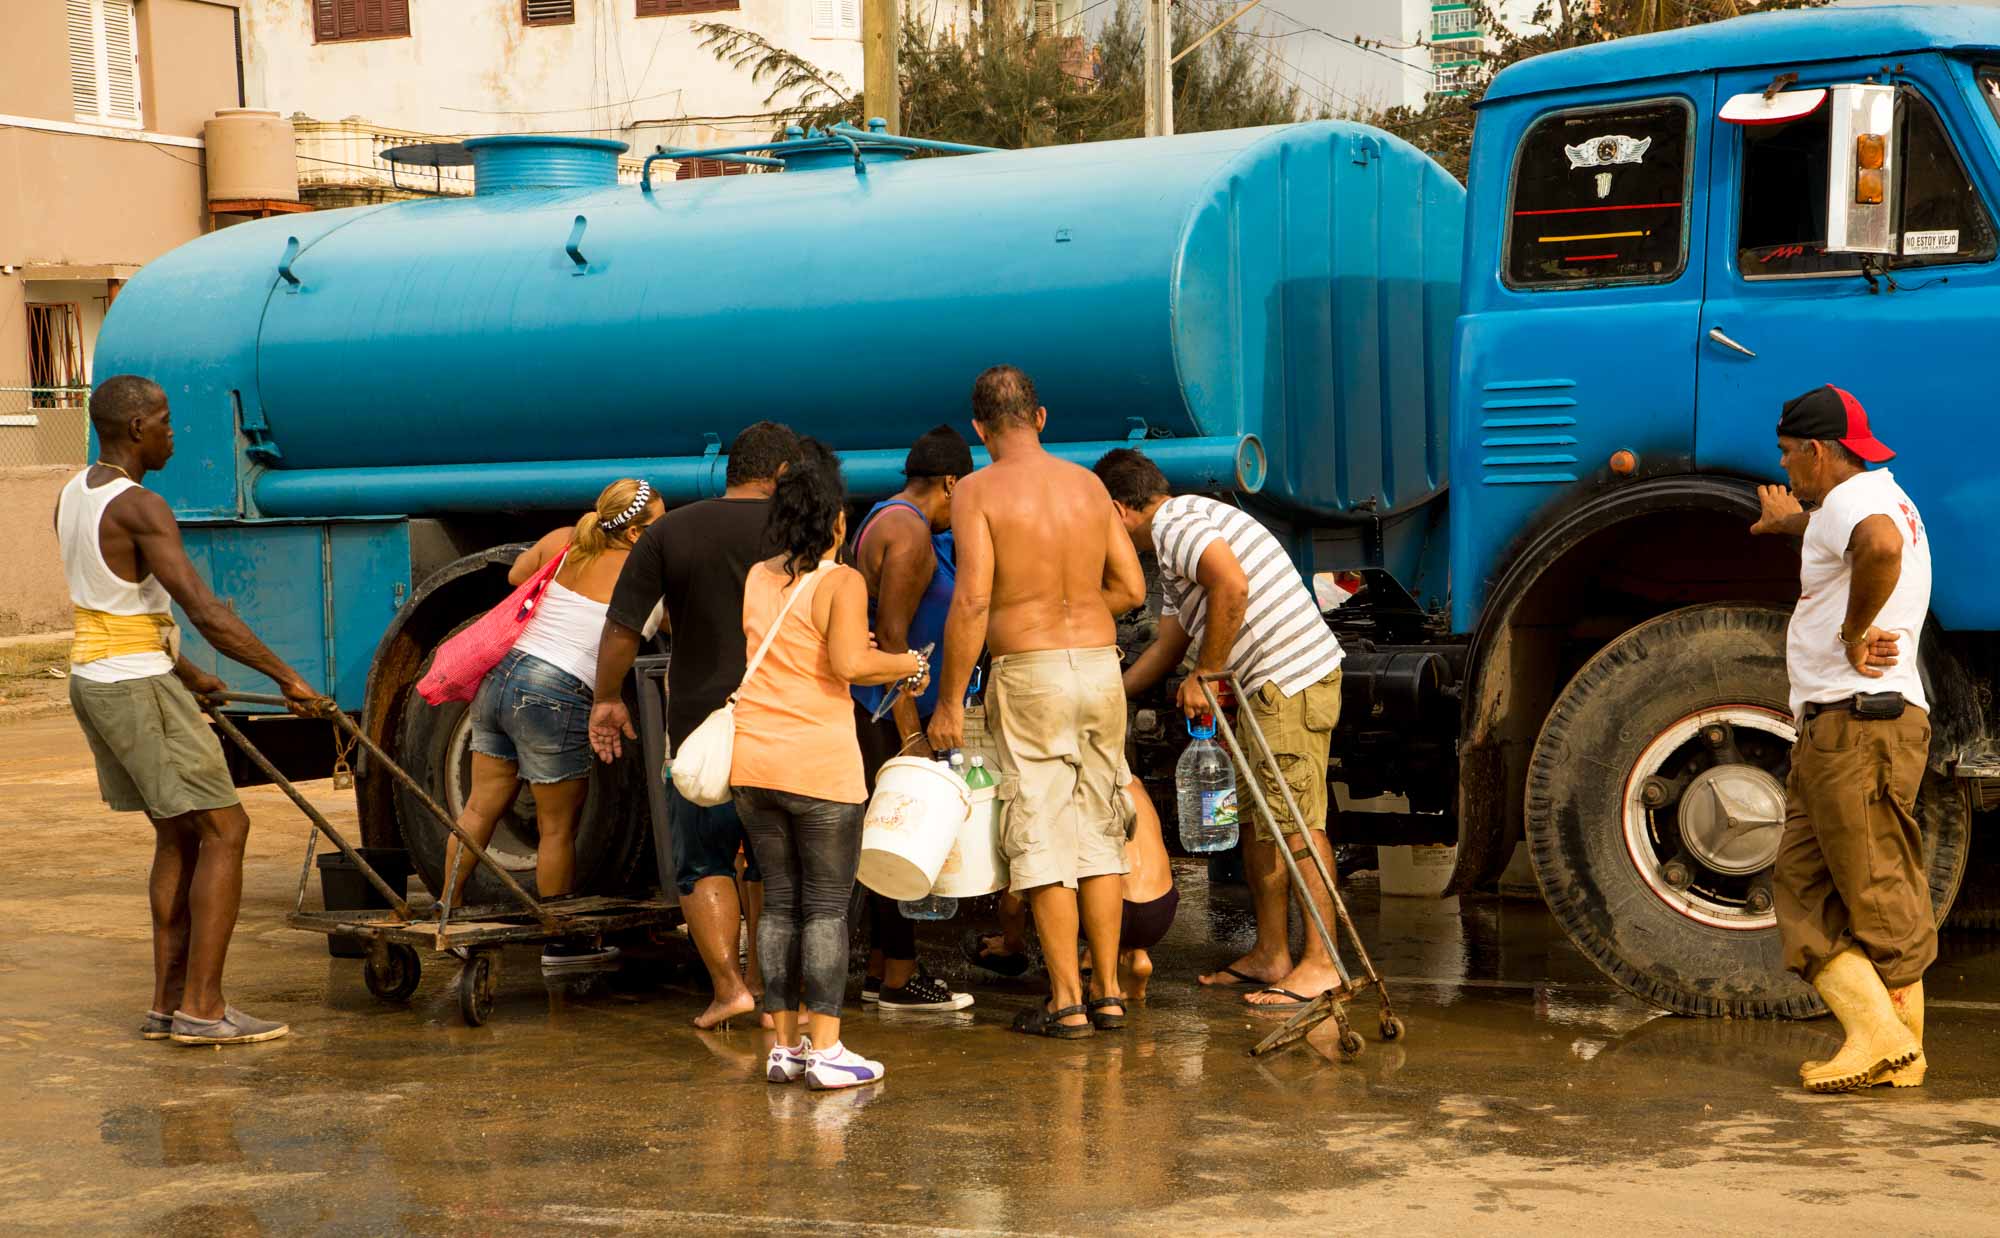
<point x="1977" y="907"/>
<point x="397" y="978"/>
<point x="1642" y="686"/>
<point x="611" y="827"/>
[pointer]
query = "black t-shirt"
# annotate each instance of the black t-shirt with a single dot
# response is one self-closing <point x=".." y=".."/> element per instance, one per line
<point x="694" y="558"/>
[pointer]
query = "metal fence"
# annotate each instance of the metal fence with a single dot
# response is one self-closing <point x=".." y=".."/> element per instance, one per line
<point x="44" y="425"/>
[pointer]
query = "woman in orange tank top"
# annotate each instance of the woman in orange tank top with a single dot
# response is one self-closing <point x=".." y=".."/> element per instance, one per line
<point x="796" y="768"/>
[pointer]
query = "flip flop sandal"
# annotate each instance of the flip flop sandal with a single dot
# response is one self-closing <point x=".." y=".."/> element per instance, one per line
<point x="1106" y="1022"/>
<point x="1039" y="1020"/>
<point x="1295" y="1001"/>
<point x="1002" y="964"/>
<point x="1241" y="978"/>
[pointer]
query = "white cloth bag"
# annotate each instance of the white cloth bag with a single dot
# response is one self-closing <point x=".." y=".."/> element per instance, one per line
<point x="701" y="766"/>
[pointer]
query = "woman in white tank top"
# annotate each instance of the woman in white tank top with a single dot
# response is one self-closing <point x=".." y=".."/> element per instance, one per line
<point x="531" y="717"/>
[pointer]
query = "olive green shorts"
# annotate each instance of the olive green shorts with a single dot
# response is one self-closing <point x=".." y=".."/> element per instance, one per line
<point x="155" y="752"/>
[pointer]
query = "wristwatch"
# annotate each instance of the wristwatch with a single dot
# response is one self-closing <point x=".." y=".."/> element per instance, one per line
<point x="1862" y="640"/>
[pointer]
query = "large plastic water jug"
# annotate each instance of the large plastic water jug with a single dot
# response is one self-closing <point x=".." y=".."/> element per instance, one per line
<point x="1205" y="787"/>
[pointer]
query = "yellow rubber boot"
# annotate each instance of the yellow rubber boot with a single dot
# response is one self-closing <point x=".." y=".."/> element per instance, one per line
<point x="1909" y="1004"/>
<point x="1877" y="1042"/>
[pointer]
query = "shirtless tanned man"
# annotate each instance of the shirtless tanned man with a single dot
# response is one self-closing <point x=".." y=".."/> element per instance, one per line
<point x="1043" y="566"/>
<point x="135" y="698"/>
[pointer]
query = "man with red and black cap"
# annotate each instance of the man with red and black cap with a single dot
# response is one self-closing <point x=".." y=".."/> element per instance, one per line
<point x="1854" y="908"/>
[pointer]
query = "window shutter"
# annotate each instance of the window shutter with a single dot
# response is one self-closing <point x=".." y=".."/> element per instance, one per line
<point x="395" y="17"/>
<point x="850" y="18"/>
<point x="325" y="24"/>
<point x="348" y="18"/>
<point x="1045" y="15"/>
<point x="826" y="16"/>
<point x="121" y="61"/>
<point x="652" y="8"/>
<point x="548" y="12"/>
<point x="83" y="76"/>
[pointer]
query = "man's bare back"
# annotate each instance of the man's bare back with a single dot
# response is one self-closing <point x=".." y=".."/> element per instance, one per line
<point x="1043" y="519"/>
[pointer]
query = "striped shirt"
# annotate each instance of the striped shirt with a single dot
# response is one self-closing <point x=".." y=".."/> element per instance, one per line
<point x="1283" y="640"/>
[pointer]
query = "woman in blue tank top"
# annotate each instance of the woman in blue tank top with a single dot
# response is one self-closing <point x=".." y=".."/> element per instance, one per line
<point x="904" y="551"/>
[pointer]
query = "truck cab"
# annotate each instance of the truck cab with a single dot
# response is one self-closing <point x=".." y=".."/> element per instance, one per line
<point x="1667" y="238"/>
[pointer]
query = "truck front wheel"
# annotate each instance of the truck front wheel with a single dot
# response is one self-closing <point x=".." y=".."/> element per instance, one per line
<point x="1655" y="801"/>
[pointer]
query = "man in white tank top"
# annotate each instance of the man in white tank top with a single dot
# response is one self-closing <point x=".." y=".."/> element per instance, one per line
<point x="135" y="698"/>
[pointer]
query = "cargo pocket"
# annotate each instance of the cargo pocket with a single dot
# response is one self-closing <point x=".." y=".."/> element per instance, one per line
<point x="1323" y="704"/>
<point x="1005" y="792"/>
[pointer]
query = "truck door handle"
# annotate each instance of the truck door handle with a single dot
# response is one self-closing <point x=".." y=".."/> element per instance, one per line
<point x="1715" y="333"/>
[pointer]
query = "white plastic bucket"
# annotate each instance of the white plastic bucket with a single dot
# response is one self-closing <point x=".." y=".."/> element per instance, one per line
<point x="1415" y="872"/>
<point x="913" y="819"/>
<point x="975" y="865"/>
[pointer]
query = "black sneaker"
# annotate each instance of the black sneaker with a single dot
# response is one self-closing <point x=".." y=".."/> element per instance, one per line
<point x="924" y="992"/>
<point x="562" y="955"/>
<point x="871" y="990"/>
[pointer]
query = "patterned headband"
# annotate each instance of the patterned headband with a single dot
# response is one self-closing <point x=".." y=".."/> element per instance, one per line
<point x="639" y="502"/>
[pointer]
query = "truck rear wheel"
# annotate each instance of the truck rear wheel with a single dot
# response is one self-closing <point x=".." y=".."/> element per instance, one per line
<point x="1669" y="895"/>
<point x="434" y="745"/>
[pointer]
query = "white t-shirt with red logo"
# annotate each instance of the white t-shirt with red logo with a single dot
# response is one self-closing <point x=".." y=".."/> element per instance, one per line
<point x="1814" y="659"/>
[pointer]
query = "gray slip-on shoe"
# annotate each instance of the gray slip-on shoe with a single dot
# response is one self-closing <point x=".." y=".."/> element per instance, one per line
<point x="156" y="1026"/>
<point x="233" y="1028"/>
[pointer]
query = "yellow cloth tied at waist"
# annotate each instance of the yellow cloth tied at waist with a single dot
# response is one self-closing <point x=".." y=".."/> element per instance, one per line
<point x="100" y="635"/>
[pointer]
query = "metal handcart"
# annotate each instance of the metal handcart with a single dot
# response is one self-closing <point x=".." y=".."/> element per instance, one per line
<point x="1332" y="1003"/>
<point x="474" y="936"/>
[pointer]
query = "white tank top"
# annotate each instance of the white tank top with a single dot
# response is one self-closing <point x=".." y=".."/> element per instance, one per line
<point x="564" y="632"/>
<point x="94" y="586"/>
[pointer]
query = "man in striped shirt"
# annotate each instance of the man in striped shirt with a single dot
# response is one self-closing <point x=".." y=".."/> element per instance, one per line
<point x="1227" y="583"/>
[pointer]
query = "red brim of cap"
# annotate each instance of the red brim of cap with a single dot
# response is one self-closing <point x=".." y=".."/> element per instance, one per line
<point x="1869" y="448"/>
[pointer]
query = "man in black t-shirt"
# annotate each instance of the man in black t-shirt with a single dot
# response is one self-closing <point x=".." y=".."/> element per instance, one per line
<point x="692" y="561"/>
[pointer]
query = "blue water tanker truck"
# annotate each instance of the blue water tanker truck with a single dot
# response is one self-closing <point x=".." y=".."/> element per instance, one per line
<point x="1577" y="644"/>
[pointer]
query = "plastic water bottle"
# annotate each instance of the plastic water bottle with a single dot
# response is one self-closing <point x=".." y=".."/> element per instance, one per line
<point x="929" y="907"/>
<point x="957" y="763"/>
<point x="978" y="776"/>
<point x="1205" y="787"/>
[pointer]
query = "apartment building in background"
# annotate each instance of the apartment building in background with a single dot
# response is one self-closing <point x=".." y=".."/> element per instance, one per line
<point x="102" y="104"/>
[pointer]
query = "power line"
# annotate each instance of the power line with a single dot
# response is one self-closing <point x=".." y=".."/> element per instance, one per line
<point x="1371" y="50"/>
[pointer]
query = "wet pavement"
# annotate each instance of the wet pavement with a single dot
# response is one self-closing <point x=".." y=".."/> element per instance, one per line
<point x="1528" y="1095"/>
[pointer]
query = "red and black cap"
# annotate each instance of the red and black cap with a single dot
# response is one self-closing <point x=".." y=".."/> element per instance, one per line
<point x="1830" y="413"/>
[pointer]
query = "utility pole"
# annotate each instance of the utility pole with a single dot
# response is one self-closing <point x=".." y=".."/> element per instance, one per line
<point x="1159" y="68"/>
<point x="881" y="32"/>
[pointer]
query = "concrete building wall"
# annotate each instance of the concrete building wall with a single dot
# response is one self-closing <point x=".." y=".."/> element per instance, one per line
<point x="468" y="69"/>
<point x="33" y="595"/>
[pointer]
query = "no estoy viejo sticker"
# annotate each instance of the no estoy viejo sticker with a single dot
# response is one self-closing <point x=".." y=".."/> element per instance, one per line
<point x="1944" y="241"/>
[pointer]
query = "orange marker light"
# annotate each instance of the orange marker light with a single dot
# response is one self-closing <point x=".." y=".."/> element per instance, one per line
<point x="1624" y="463"/>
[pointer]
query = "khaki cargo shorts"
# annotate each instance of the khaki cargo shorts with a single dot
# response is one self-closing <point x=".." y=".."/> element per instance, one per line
<point x="1299" y="729"/>
<point x="1058" y="723"/>
<point x="155" y="752"/>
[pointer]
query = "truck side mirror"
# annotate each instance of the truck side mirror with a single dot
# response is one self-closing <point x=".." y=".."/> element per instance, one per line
<point x="1861" y="170"/>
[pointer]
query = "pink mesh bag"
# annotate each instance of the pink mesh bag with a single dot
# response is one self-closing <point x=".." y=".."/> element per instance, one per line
<point x="462" y="662"/>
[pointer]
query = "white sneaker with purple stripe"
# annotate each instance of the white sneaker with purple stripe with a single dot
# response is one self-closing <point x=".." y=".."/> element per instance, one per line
<point x="785" y="1065"/>
<point x="840" y="1067"/>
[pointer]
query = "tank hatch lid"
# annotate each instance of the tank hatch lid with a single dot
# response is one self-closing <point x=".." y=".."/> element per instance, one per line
<point x="511" y="161"/>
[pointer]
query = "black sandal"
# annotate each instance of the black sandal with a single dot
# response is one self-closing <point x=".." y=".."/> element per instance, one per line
<point x="1107" y="1022"/>
<point x="1039" y="1020"/>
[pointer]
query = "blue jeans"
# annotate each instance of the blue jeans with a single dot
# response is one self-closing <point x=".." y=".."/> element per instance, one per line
<point x="809" y="850"/>
<point x="536" y="715"/>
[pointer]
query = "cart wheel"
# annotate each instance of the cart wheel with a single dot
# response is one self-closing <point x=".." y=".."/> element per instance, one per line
<point x="475" y="988"/>
<point x="396" y="978"/>
<point x="1392" y="1028"/>
<point x="1351" y="1046"/>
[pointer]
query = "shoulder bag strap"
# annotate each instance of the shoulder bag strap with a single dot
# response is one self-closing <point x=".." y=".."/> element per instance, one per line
<point x="799" y="590"/>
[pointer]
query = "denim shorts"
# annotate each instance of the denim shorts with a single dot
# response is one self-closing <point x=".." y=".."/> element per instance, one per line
<point x="705" y="842"/>
<point x="535" y="714"/>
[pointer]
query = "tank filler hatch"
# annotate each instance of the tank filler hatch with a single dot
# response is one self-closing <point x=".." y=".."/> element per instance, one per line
<point x="803" y="150"/>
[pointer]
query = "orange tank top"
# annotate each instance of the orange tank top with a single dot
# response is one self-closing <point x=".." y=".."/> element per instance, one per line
<point x="794" y="717"/>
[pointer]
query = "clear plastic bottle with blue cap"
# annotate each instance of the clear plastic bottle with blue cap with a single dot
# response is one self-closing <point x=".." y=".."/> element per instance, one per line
<point x="1205" y="787"/>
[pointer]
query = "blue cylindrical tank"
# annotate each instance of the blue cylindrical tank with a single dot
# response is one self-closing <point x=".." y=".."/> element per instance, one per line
<point x="1295" y="284"/>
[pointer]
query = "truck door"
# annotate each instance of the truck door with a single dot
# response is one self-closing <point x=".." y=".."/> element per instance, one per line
<point x="1909" y="331"/>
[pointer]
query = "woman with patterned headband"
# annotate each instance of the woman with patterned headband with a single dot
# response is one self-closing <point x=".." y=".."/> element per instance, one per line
<point x="531" y="719"/>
